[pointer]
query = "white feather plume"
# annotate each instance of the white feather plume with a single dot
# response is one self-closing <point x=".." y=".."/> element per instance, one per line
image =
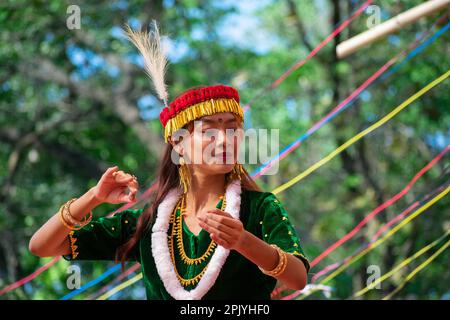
<point x="155" y="62"/>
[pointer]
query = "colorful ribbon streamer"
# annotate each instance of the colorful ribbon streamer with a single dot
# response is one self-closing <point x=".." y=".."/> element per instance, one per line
<point x="313" y="52"/>
<point x="83" y="288"/>
<point x="380" y="208"/>
<point x="29" y="277"/>
<point x="119" y="278"/>
<point x="400" y="265"/>
<point x="347" y="102"/>
<point x="121" y="287"/>
<point x="416" y="51"/>
<point x="363" y="133"/>
<point x="384" y="238"/>
<point x="380" y="231"/>
<point x="416" y="270"/>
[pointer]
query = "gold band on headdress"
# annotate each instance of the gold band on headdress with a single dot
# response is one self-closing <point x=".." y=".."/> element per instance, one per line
<point x="201" y="109"/>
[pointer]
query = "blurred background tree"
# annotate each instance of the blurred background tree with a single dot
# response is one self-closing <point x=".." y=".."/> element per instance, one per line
<point x="73" y="102"/>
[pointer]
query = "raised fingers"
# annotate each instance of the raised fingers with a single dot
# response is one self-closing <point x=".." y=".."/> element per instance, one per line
<point x="134" y="185"/>
<point x="121" y="177"/>
<point x="219" y="233"/>
<point x="127" y="197"/>
<point x="109" y="172"/>
<point x="222" y="217"/>
<point x="218" y="224"/>
<point x="111" y="169"/>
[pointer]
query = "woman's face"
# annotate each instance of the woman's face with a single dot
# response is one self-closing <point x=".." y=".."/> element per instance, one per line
<point x="211" y="143"/>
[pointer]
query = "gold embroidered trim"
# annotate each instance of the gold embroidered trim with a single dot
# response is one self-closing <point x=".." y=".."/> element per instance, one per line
<point x="198" y="110"/>
<point x="73" y="247"/>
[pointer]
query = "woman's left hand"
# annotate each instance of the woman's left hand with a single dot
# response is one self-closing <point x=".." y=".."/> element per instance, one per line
<point x="223" y="228"/>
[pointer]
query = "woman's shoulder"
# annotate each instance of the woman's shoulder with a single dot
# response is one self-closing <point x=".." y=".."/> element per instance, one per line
<point x="258" y="196"/>
<point x="256" y="199"/>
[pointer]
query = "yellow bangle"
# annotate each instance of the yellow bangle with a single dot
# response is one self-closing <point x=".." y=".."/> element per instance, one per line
<point x="281" y="266"/>
<point x="64" y="222"/>
<point x="71" y="223"/>
<point x="72" y="220"/>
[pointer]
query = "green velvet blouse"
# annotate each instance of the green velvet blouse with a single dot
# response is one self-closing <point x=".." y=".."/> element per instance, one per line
<point x="261" y="213"/>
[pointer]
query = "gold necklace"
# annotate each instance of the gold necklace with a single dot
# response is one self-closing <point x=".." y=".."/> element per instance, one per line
<point x="177" y="227"/>
<point x="180" y="245"/>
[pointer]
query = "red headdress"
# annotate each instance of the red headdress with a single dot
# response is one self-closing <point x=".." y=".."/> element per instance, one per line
<point x="193" y="103"/>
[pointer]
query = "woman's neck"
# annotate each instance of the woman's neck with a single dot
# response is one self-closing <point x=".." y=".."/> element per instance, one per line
<point x="204" y="190"/>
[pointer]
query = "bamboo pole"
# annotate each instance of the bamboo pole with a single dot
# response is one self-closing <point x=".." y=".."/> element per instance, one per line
<point x="392" y="25"/>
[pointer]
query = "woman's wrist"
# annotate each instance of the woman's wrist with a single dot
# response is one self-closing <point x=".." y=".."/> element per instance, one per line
<point x="243" y="242"/>
<point x="93" y="200"/>
<point x="83" y="205"/>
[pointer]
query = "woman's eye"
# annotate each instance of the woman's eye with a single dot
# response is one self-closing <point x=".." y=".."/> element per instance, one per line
<point x="208" y="133"/>
<point x="231" y="131"/>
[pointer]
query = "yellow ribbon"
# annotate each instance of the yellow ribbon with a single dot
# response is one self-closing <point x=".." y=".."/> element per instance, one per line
<point x="400" y="266"/>
<point x="383" y="239"/>
<point x="120" y="287"/>
<point x="416" y="270"/>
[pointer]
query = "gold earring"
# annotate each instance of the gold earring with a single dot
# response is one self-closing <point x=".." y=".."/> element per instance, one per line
<point x="237" y="172"/>
<point x="184" y="176"/>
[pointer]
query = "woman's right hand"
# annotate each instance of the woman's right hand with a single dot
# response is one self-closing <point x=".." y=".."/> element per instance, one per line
<point x="116" y="186"/>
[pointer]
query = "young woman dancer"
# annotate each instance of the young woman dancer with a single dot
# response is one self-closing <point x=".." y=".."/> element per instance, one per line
<point x="210" y="232"/>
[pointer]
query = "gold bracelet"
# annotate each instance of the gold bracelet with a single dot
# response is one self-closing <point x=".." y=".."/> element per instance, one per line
<point x="69" y="217"/>
<point x="282" y="263"/>
<point x="70" y="222"/>
<point x="85" y="220"/>
<point x="64" y="222"/>
<point x="281" y="266"/>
